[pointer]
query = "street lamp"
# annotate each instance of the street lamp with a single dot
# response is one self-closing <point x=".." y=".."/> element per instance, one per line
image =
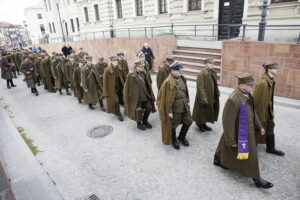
<point x="61" y="26"/>
<point x="262" y="23"/>
<point x="25" y="25"/>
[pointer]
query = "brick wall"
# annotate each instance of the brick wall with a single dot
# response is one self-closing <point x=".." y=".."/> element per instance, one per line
<point x="161" y="47"/>
<point x="238" y="56"/>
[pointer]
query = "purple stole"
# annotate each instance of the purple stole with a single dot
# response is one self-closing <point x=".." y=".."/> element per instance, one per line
<point x="243" y="145"/>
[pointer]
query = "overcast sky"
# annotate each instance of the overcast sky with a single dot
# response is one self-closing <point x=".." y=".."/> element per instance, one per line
<point x="12" y="11"/>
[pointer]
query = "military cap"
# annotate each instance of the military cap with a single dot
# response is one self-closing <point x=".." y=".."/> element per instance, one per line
<point x="176" y="66"/>
<point x="120" y="54"/>
<point x="81" y="61"/>
<point x="170" y="57"/>
<point x="270" y="65"/>
<point x="53" y="53"/>
<point x="101" y="58"/>
<point x="245" y="78"/>
<point x="208" y="60"/>
<point x="90" y="58"/>
<point x="139" y="63"/>
<point x="113" y="58"/>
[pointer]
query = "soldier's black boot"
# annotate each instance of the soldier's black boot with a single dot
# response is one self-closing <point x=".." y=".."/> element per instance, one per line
<point x="206" y="127"/>
<point x="79" y="101"/>
<point x="15" y="75"/>
<point x="141" y="126"/>
<point x="118" y="114"/>
<point x="32" y="90"/>
<point x="38" y="81"/>
<point x="145" y="119"/>
<point x="60" y="92"/>
<point x="68" y="93"/>
<point x="271" y="146"/>
<point x="200" y="126"/>
<point x="101" y="104"/>
<point x="7" y="82"/>
<point x="175" y="144"/>
<point x="12" y="83"/>
<point x="91" y="107"/>
<point x="259" y="182"/>
<point x="217" y="162"/>
<point x="36" y="92"/>
<point x="182" y="135"/>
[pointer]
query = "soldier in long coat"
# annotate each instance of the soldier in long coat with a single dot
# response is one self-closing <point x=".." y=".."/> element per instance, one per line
<point x="100" y="67"/>
<point x="18" y="60"/>
<point x="164" y="71"/>
<point x="58" y="72"/>
<point x="6" y="72"/>
<point x="42" y="71"/>
<point x="90" y="82"/>
<point x="264" y="105"/>
<point x="113" y="87"/>
<point x="206" y="107"/>
<point x="49" y="76"/>
<point x="27" y="67"/>
<point x="173" y="106"/>
<point x="78" y="91"/>
<point x="237" y="147"/>
<point x="36" y="65"/>
<point x="138" y="96"/>
<point x="123" y="63"/>
<point x="81" y="54"/>
<point x="69" y="69"/>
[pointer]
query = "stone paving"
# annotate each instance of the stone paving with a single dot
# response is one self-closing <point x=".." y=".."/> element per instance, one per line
<point x="132" y="164"/>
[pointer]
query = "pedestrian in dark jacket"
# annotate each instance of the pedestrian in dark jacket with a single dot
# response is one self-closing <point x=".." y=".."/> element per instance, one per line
<point x="148" y="55"/>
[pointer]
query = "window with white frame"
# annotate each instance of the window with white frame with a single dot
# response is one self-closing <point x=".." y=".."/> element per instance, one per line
<point x="162" y="6"/>
<point x="86" y="14"/>
<point x="119" y="8"/>
<point x="195" y="4"/>
<point x="139" y="7"/>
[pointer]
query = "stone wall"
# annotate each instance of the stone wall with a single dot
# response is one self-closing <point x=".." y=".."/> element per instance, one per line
<point x="238" y="56"/>
<point x="161" y="47"/>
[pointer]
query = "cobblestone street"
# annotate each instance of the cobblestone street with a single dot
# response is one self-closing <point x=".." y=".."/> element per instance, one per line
<point x="133" y="164"/>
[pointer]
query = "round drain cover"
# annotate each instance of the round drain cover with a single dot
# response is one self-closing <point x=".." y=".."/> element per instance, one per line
<point x="100" y="131"/>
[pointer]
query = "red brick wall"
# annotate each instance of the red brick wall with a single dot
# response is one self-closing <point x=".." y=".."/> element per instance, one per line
<point x="161" y="47"/>
<point x="238" y="56"/>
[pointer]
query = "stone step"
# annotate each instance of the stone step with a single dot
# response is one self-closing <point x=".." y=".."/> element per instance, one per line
<point x="198" y="54"/>
<point x="212" y="50"/>
<point x="194" y="71"/>
<point x="197" y="65"/>
<point x="194" y="78"/>
<point x="194" y="59"/>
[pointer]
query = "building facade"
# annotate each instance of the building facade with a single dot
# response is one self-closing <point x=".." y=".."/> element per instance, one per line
<point x="86" y="19"/>
<point x="36" y="23"/>
<point x="12" y="36"/>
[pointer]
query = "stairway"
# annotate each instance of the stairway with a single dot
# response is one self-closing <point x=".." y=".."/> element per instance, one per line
<point x="192" y="58"/>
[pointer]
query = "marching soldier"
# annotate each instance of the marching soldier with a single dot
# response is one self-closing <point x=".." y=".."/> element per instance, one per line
<point x="81" y="54"/>
<point x="78" y="91"/>
<point x="100" y="67"/>
<point x="27" y="67"/>
<point x="123" y="63"/>
<point x="49" y="76"/>
<point x="138" y="96"/>
<point x="6" y="71"/>
<point x="36" y="65"/>
<point x="42" y="71"/>
<point x="69" y="69"/>
<point x="113" y="87"/>
<point x="164" y="71"/>
<point x="206" y="107"/>
<point x="58" y="72"/>
<point x="174" y="108"/>
<point x="264" y="105"/>
<point x="237" y="147"/>
<point x="90" y="82"/>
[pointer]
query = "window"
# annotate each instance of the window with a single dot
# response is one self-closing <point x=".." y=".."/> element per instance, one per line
<point x="86" y="14"/>
<point x="96" y="10"/>
<point x="67" y="31"/>
<point x="72" y="25"/>
<point x="77" y="22"/>
<point x="50" y="28"/>
<point x="194" y="4"/>
<point x="46" y="7"/>
<point x="281" y="1"/>
<point x="119" y="8"/>
<point x="42" y="27"/>
<point x="162" y="6"/>
<point x="39" y="15"/>
<point x="53" y="27"/>
<point x="139" y="7"/>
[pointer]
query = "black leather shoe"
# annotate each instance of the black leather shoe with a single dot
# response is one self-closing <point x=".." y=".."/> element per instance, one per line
<point x="201" y="128"/>
<point x="175" y="145"/>
<point x="218" y="163"/>
<point x="13" y="86"/>
<point x="206" y="127"/>
<point x="275" y="152"/>
<point x="60" y="92"/>
<point x="184" y="141"/>
<point x="147" y="125"/>
<point x="141" y="126"/>
<point x="8" y="87"/>
<point x="36" y="93"/>
<point x="91" y="107"/>
<point x="79" y="101"/>
<point x="69" y="93"/>
<point x="120" y="118"/>
<point x="259" y="182"/>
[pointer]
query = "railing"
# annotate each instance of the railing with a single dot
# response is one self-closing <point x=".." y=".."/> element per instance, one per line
<point x="284" y="33"/>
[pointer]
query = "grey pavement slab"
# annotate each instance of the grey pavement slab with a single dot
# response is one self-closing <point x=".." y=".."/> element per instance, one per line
<point x="132" y="164"/>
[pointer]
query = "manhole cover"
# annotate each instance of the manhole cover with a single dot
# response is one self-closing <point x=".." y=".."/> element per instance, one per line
<point x="90" y="197"/>
<point x="100" y="131"/>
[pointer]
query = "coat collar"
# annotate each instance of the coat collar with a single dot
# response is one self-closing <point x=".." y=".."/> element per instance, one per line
<point x="241" y="96"/>
<point x="267" y="78"/>
<point x="171" y="80"/>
